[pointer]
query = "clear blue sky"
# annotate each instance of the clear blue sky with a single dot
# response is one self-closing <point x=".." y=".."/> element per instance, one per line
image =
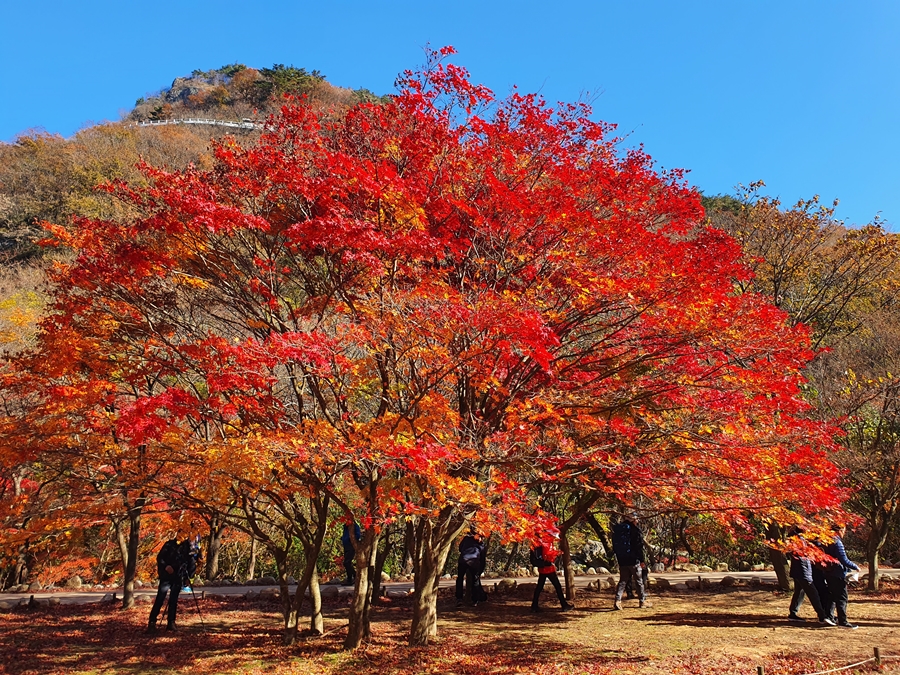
<point x="802" y="94"/>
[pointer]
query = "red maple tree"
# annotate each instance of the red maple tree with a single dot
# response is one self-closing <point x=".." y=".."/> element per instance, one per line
<point x="422" y="308"/>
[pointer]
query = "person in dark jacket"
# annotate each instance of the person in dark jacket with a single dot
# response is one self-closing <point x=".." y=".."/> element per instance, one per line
<point x="628" y="546"/>
<point x="350" y="551"/>
<point x="176" y="563"/>
<point x="472" y="561"/>
<point x="543" y="556"/>
<point x="836" y="579"/>
<point x="804" y="586"/>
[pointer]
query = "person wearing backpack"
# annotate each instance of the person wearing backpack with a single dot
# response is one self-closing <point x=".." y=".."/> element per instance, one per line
<point x="472" y="561"/>
<point x="543" y="556"/>
<point x="628" y="546"/>
<point x="176" y="563"/>
<point x="836" y="574"/>
<point x="804" y="587"/>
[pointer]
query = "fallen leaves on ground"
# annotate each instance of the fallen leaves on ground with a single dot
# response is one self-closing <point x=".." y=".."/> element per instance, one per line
<point x="709" y="634"/>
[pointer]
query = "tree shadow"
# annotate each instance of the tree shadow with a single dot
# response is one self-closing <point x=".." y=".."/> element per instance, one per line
<point x="104" y="638"/>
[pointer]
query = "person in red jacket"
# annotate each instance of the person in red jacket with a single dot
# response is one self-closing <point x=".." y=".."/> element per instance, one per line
<point x="543" y="556"/>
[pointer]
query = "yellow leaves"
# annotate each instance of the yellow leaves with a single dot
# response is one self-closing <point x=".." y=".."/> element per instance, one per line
<point x="189" y="281"/>
<point x="400" y="209"/>
<point x="255" y="323"/>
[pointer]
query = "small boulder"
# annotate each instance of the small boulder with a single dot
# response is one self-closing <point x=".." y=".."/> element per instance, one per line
<point x="5" y="605"/>
<point x="721" y="567"/>
<point x="269" y="594"/>
<point x="506" y="585"/>
<point x="252" y="596"/>
<point x="693" y="584"/>
<point x="266" y="581"/>
<point x="757" y="568"/>
<point x="690" y="567"/>
<point x="330" y="591"/>
<point x="727" y="581"/>
<point x="704" y="568"/>
<point x="744" y="566"/>
<point x="591" y="571"/>
<point x="659" y="567"/>
<point x="661" y="582"/>
<point x="35" y="587"/>
<point x="602" y="570"/>
<point x="385" y="577"/>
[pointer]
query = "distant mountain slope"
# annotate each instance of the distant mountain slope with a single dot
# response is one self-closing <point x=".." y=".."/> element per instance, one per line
<point x="240" y="92"/>
<point x="47" y="177"/>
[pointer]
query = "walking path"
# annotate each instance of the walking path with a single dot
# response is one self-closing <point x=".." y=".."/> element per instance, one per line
<point x="71" y="597"/>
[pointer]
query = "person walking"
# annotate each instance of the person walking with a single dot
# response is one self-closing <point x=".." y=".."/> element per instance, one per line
<point x="628" y="546"/>
<point x="472" y="561"/>
<point x="836" y="578"/>
<point x="804" y="586"/>
<point x="543" y="556"/>
<point x="176" y="563"/>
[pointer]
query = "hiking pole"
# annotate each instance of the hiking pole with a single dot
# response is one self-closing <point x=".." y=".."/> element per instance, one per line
<point x="197" y="605"/>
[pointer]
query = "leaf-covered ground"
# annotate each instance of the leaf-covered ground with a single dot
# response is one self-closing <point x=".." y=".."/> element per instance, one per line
<point x="682" y="633"/>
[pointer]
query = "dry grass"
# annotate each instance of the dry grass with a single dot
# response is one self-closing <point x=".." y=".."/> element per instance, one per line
<point x="682" y="633"/>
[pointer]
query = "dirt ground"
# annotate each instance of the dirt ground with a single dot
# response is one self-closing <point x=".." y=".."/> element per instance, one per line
<point x="696" y="633"/>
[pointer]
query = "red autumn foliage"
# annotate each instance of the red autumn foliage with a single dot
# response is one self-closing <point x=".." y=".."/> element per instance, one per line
<point x="419" y="310"/>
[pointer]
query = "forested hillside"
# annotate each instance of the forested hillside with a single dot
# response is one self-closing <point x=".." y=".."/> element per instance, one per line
<point x="395" y="311"/>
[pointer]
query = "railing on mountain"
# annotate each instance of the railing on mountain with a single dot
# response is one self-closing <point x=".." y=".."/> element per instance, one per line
<point x="243" y="124"/>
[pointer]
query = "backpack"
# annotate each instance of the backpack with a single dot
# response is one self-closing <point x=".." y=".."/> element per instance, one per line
<point x="536" y="557"/>
<point x="621" y="541"/>
<point x="168" y="554"/>
<point x="187" y="560"/>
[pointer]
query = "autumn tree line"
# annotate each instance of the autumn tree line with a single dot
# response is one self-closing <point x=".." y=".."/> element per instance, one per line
<point x="424" y="313"/>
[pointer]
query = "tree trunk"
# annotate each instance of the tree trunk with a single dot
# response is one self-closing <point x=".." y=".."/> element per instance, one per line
<point x="872" y="557"/>
<point x="424" y="620"/>
<point x="879" y="527"/>
<point x="568" y="569"/>
<point x="778" y="559"/>
<point x="433" y="543"/>
<point x="214" y="546"/>
<point x="134" y="540"/>
<point x="290" y="608"/>
<point x="513" y="552"/>
<point x="20" y="573"/>
<point x="122" y="542"/>
<point x="308" y="580"/>
<point x="380" y="558"/>
<point x="579" y="511"/>
<point x="409" y="544"/>
<point x="251" y="567"/>
<point x="316" y="620"/>
<point x="358" y="628"/>
<point x="601" y="535"/>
